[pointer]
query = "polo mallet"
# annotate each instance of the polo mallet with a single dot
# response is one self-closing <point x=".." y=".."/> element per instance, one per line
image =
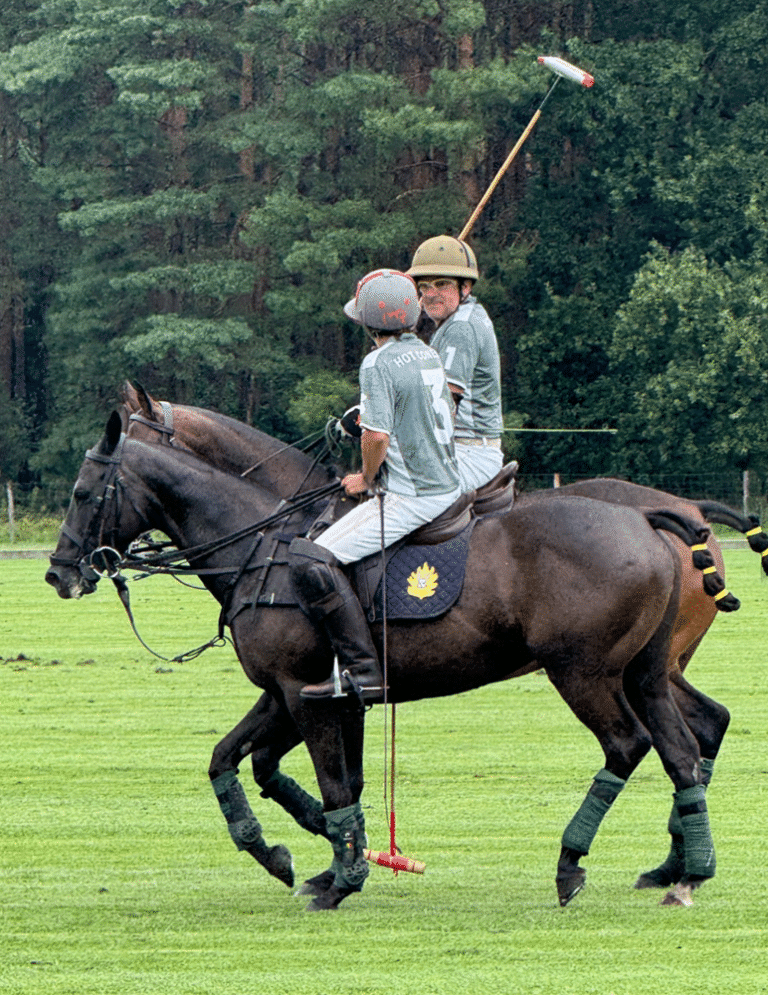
<point x="561" y="68"/>
<point x="394" y="860"/>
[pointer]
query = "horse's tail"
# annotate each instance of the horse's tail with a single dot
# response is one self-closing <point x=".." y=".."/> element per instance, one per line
<point x="748" y="525"/>
<point x="695" y="536"/>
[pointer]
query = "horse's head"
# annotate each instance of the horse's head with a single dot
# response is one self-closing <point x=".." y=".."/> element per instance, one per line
<point x="92" y="518"/>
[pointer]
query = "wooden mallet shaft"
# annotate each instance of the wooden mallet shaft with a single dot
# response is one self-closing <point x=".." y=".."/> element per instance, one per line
<point x="563" y="69"/>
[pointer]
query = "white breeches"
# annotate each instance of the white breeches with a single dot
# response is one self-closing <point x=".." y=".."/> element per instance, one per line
<point x="477" y="465"/>
<point x="358" y="533"/>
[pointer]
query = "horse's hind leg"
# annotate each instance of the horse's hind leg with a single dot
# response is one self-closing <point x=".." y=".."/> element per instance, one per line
<point x="679" y="753"/>
<point x="267" y="730"/>
<point x="708" y="721"/>
<point x="602" y="707"/>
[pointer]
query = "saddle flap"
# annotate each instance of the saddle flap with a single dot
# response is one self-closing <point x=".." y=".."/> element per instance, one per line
<point x="450" y="523"/>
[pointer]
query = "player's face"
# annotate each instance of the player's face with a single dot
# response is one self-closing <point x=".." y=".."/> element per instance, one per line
<point x="440" y="296"/>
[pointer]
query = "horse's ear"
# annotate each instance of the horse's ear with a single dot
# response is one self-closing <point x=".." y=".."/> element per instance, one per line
<point x="127" y="395"/>
<point x="145" y="402"/>
<point x="113" y="432"/>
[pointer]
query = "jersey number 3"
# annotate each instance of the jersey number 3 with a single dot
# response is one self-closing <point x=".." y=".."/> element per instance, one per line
<point x="435" y="380"/>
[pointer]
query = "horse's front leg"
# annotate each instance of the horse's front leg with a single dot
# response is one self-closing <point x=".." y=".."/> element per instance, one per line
<point x="268" y="729"/>
<point x="333" y="732"/>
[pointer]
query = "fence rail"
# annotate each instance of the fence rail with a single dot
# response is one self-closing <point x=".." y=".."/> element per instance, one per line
<point x="734" y="488"/>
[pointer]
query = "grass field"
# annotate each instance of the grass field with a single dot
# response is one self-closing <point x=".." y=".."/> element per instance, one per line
<point x="117" y="874"/>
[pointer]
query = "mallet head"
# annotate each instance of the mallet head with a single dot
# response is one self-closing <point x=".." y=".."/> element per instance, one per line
<point x="563" y="68"/>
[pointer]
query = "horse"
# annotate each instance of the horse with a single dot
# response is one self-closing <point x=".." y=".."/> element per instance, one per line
<point x="237" y="448"/>
<point x="584" y="590"/>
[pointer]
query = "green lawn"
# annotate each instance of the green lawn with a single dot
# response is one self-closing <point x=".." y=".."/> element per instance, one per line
<point x="117" y="874"/>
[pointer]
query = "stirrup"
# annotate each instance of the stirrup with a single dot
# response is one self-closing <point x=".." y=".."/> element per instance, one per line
<point x="334" y="688"/>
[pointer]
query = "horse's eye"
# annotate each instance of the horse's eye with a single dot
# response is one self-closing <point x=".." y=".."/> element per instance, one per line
<point x="81" y="495"/>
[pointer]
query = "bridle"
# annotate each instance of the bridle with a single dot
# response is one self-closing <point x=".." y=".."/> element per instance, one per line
<point x="96" y="533"/>
<point x="166" y="430"/>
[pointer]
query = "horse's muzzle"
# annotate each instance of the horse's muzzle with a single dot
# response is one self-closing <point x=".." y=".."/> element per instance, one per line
<point x="69" y="582"/>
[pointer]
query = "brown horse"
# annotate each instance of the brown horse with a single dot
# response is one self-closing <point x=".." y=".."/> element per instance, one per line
<point x="584" y="590"/>
<point x="237" y="448"/>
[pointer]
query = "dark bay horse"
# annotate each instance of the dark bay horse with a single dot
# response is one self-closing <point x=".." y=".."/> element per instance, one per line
<point x="584" y="590"/>
<point x="237" y="448"/>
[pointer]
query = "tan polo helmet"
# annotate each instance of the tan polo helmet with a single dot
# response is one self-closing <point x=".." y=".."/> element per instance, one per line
<point x="444" y="255"/>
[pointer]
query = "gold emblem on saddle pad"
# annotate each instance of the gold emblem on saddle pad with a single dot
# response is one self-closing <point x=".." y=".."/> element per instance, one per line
<point x="423" y="581"/>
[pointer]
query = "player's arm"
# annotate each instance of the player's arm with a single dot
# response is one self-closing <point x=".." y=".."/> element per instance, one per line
<point x="456" y="393"/>
<point x="373" y="447"/>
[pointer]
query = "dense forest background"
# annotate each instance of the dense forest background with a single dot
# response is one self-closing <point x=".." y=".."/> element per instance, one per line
<point x="189" y="192"/>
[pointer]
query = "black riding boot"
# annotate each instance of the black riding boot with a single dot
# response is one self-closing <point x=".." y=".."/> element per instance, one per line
<point x="326" y="596"/>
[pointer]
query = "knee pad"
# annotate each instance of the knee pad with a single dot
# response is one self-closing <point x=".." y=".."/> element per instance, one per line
<point x="316" y="588"/>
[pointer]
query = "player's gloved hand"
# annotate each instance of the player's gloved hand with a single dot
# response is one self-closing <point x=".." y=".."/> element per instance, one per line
<point x="350" y="423"/>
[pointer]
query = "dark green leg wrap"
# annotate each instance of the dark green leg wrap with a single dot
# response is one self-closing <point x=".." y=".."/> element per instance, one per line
<point x="244" y="827"/>
<point x="674" y="825"/>
<point x="346" y="831"/>
<point x="298" y="803"/>
<point x="673" y="868"/>
<point x="582" y="828"/>
<point x="699" y="848"/>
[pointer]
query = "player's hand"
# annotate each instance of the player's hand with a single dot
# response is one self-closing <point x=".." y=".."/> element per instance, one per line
<point x="355" y="483"/>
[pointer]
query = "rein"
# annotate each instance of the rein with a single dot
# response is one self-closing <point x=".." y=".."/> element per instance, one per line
<point x="286" y="447"/>
<point x="330" y="444"/>
<point x="164" y="562"/>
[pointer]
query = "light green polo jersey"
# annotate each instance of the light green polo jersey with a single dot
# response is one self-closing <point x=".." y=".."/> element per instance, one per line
<point x="403" y="392"/>
<point x="467" y="345"/>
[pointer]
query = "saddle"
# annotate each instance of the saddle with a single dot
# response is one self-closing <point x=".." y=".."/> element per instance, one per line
<point x="494" y="498"/>
<point x="425" y="570"/>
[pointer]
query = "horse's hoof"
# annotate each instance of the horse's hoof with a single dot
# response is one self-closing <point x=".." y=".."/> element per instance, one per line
<point x="317" y="885"/>
<point x="660" y="877"/>
<point x="681" y="894"/>
<point x="329" y="900"/>
<point x="569" y="885"/>
<point x="279" y="863"/>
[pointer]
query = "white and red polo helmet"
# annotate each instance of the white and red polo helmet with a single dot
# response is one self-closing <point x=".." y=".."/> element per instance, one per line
<point x="386" y="300"/>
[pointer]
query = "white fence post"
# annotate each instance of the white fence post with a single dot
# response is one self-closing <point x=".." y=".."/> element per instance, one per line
<point x="11" y="512"/>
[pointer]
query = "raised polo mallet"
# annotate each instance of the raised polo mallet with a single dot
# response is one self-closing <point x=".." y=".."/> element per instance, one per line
<point x="563" y="69"/>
